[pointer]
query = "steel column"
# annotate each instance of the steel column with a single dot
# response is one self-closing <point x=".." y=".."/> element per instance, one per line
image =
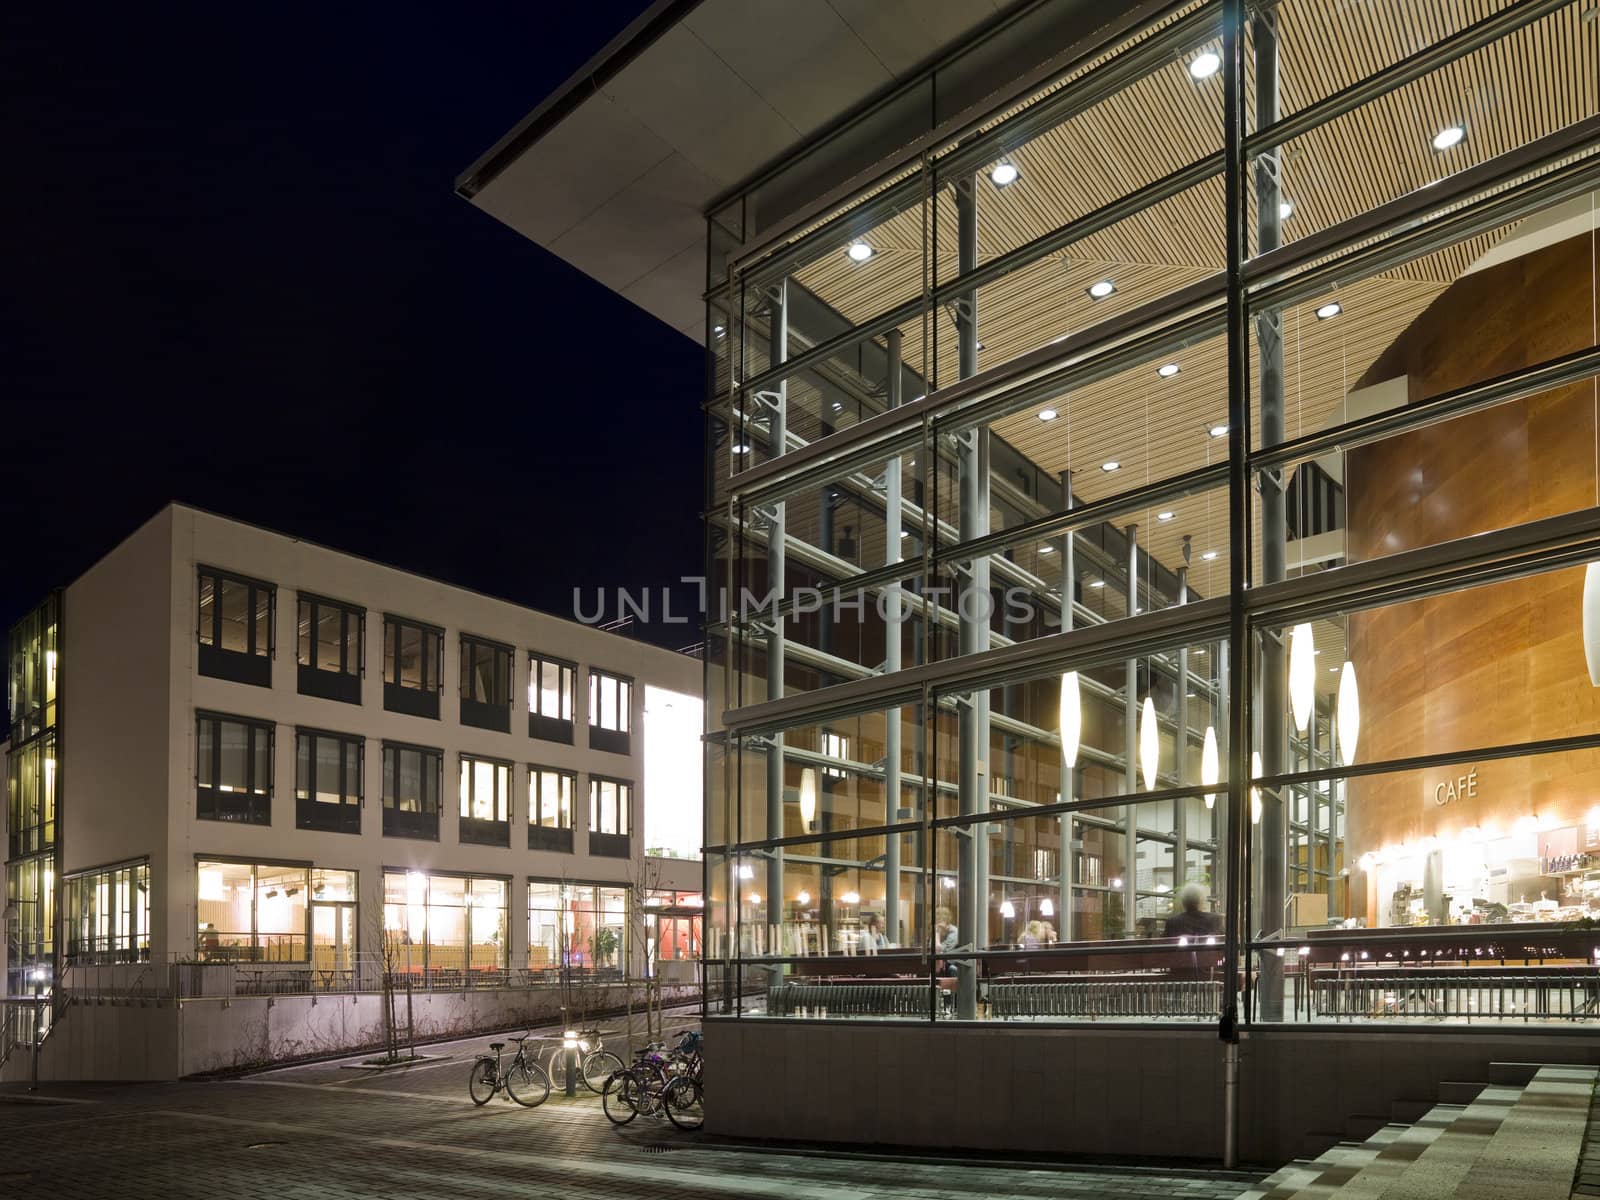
<point x="892" y="663"/>
<point x="777" y="430"/>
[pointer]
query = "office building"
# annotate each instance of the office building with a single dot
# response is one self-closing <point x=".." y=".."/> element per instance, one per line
<point x="247" y="773"/>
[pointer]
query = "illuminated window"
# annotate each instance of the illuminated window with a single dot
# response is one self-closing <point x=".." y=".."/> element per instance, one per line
<point x="445" y="928"/>
<point x="411" y="781"/>
<point x="610" y="802"/>
<point x="106" y="915"/>
<point x="550" y="687"/>
<point x="252" y="912"/>
<point x="835" y="745"/>
<point x="485" y="801"/>
<point x="610" y="712"/>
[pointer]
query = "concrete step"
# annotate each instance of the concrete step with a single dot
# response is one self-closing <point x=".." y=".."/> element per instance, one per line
<point x="1513" y="1074"/>
<point x="1535" y="1152"/>
<point x="1291" y="1177"/>
<point x="1368" y="1179"/>
<point x="1440" y="1168"/>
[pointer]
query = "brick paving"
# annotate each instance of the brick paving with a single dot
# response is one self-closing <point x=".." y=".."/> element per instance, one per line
<point x="327" y="1131"/>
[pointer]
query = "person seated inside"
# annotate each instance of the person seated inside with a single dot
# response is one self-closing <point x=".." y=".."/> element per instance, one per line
<point x="1192" y="920"/>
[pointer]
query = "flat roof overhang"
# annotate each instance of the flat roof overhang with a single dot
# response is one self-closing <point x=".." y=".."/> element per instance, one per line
<point x="615" y="173"/>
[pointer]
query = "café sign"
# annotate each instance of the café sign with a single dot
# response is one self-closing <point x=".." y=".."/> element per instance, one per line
<point x="1459" y="788"/>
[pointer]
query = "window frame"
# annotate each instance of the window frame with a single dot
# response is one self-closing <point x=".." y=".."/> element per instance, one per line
<point x="343" y="682"/>
<point x="617" y="843"/>
<point x="541" y="724"/>
<point x="255" y="865"/>
<point x="491" y="711"/>
<point x="484" y="831"/>
<point x="257" y="807"/>
<point x="554" y="835"/>
<point x="344" y="815"/>
<point x="414" y="700"/>
<point x="85" y="948"/>
<point x="252" y="665"/>
<point x="417" y="823"/>
<point x="614" y="740"/>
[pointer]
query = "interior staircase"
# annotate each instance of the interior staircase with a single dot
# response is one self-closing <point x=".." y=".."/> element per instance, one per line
<point x="1526" y="1133"/>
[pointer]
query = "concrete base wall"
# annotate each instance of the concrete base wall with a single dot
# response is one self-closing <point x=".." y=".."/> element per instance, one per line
<point x="1150" y="1093"/>
<point x="158" y="1039"/>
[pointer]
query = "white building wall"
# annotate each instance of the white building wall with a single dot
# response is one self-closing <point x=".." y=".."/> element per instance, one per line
<point x="130" y="763"/>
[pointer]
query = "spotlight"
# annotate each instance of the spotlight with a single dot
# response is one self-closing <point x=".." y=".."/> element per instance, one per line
<point x="1449" y="136"/>
<point x="1168" y="370"/>
<point x="859" y="252"/>
<point x="1331" y="309"/>
<point x="1205" y="64"/>
<point x="1102" y="289"/>
<point x="1004" y="174"/>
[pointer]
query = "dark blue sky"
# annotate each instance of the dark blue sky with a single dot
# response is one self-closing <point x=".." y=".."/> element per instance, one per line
<point x="236" y="274"/>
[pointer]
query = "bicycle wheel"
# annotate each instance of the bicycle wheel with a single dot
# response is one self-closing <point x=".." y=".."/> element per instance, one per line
<point x="617" y="1098"/>
<point x="483" y="1083"/>
<point x="598" y="1068"/>
<point x="527" y="1084"/>
<point x="555" y="1066"/>
<point x="684" y="1101"/>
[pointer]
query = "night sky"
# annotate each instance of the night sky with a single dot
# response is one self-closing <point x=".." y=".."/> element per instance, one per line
<point x="236" y="275"/>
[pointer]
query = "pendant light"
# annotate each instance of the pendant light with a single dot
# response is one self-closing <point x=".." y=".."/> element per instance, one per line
<point x="1255" y="792"/>
<point x="1591" y="621"/>
<point x="1071" y="719"/>
<point x="808" y="797"/>
<point x="1349" y="709"/>
<point x="1149" y="743"/>
<point x="1302" y="675"/>
<point x="1210" y="767"/>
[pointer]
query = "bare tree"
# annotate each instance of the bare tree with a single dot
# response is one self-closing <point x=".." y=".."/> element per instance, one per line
<point x="644" y="880"/>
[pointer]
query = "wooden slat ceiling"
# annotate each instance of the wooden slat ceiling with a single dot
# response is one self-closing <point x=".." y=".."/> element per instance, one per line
<point x="1545" y="76"/>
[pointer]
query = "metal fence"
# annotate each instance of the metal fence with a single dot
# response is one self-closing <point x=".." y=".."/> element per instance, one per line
<point x="1200" y="999"/>
<point x="1469" y="995"/>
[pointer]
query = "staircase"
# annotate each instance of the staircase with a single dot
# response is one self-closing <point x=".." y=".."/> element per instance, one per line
<point x="1521" y="1135"/>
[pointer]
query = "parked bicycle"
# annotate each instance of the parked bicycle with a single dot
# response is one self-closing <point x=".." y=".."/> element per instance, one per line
<point x="659" y="1083"/>
<point x="523" y="1079"/>
<point x="596" y="1064"/>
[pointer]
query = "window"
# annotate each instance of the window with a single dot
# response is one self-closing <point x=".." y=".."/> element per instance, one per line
<point x="330" y="643"/>
<point x="835" y="745"/>
<point x="252" y="912"/>
<point x="485" y="801"/>
<point x="550" y="684"/>
<point x="233" y="769"/>
<point x="550" y="808"/>
<point x="413" y="667"/>
<point x="576" y="925"/>
<point x="411" y="781"/>
<point x="485" y="684"/>
<point x="327" y="781"/>
<point x="452" y="928"/>
<point x="609" y="803"/>
<point x="107" y="915"/>
<point x="33" y="671"/>
<point x="610" y="712"/>
<point x="235" y="627"/>
<point x="31" y="796"/>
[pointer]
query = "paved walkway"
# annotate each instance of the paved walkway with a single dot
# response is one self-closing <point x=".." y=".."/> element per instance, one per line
<point x="334" y="1130"/>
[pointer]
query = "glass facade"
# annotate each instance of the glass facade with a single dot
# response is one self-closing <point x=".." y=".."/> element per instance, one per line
<point x="106" y="915"/>
<point x="576" y="926"/>
<point x="450" y="927"/>
<point x="1163" y="525"/>
<point x="32" y="801"/>
<point x="253" y="912"/>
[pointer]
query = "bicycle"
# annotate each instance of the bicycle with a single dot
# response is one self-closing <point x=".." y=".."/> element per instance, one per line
<point x="524" y="1080"/>
<point x="596" y="1064"/>
<point x="659" y="1084"/>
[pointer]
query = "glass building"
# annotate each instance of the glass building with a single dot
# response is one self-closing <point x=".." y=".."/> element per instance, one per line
<point x="1153" y="540"/>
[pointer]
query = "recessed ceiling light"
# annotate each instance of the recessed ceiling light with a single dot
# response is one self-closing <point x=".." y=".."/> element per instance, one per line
<point x="1165" y="516"/>
<point x="1102" y="289"/>
<point x="1449" y="136"/>
<point x="718" y="330"/>
<point x="905" y="533"/>
<point x="1209" y="555"/>
<point x="741" y="448"/>
<point x="1047" y="414"/>
<point x="1218" y="431"/>
<point x="1004" y="173"/>
<point x="859" y="252"/>
<point x="1110" y="464"/>
<point x="1285" y="209"/>
<point x="1334" y="670"/>
<point x="1047" y="548"/>
<point x="838" y="406"/>
<point x="1168" y="370"/>
<point x="1098" y="583"/>
<point x="1205" y="64"/>
<point x="1331" y="309"/>
<point x="977" y="346"/>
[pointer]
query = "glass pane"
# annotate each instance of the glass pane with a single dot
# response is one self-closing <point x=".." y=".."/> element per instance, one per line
<point x="206" y="766"/>
<point x="330" y="638"/>
<point x="304" y="616"/>
<point x="235" y="613"/>
<point x="208" y="610"/>
<point x="235" y="756"/>
<point x="328" y="781"/>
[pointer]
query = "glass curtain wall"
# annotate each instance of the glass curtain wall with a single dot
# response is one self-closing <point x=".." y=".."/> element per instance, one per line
<point x="1157" y="532"/>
